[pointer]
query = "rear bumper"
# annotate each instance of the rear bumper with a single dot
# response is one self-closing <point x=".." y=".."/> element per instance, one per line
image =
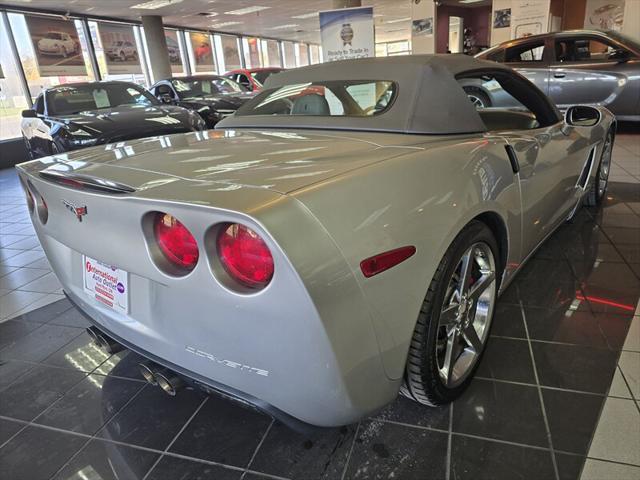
<point x="206" y="384"/>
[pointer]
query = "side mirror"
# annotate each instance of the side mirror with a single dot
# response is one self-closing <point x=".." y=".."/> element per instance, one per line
<point x="165" y="98"/>
<point x="619" y="55"/>
<point x="29" y="114"/>
<point x="582" y="116"/>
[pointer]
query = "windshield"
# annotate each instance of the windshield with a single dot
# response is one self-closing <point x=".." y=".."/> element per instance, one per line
<point x="54" y="36"/>
<point x="206" y="86"/>
<point x="625" y="40"/>
<point x="331" y="98"/>
<point x="262" y="75"/>
<point x="67" y="100"/>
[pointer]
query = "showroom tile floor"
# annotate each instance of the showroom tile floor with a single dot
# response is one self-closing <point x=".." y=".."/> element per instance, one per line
<point x="557" y="394"/>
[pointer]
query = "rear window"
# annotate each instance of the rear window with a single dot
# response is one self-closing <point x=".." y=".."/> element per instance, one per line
<point x="66" y="100"/>
<point x="331" y="98"/>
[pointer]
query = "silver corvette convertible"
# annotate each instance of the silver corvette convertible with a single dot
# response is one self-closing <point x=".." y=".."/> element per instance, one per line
<point x="342" y="238"/>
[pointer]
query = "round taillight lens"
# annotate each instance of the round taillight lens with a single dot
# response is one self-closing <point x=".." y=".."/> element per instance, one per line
<point x="245" y="256"/>
<point x="175" y="241"/>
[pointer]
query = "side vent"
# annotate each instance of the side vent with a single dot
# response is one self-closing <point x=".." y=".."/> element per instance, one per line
<point x="586" y="170"/>
<point x="513" y="158"/>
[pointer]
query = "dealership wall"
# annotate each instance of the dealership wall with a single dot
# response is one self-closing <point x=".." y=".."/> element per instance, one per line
<point x="477" y="19"/>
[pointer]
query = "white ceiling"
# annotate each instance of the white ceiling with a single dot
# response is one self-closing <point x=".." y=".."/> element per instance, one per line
<point x="392" y="17"/>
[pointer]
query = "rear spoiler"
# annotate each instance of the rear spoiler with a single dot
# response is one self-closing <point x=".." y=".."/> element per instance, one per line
<point x="85" y="182"/>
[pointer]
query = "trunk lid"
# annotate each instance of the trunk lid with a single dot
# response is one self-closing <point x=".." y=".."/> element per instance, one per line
<point x="280" y="161"/>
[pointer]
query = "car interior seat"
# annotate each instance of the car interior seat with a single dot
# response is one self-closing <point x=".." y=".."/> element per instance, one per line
<point x="311" y="104"/>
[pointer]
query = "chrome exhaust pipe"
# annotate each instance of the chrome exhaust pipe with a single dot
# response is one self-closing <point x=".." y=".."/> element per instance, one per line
<point x="169" y="382"/>
<point x="93" y="333"/>
<point x="147" y="370"/>
<point x="108" y="344"/>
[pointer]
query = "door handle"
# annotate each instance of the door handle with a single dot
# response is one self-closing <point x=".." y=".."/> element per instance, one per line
<point x="559" y="75"/>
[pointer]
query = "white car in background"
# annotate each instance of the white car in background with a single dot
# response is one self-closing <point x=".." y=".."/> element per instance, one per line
<point x="121" y="50"/>
<point x="57" y="43"/>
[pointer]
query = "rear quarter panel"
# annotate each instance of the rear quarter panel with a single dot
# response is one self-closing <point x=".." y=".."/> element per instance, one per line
<point x="423" y="198"/>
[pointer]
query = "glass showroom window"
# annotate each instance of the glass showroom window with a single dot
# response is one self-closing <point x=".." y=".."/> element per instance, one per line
<point x="122" y="59"/>
<point x="52" y="51"/>
<point x="302" y="54"/>
<point x="227" y="49"/>
<point x="398" y="48"/>
<point x="314" y="50"/>
<point x="12" y="97"/>
<point x="271" y="53"/>
<point x="201" y="52"/>
<point x="251" y="50"/>
<point x="289" y="52"/>
<point x="381" y="49"/>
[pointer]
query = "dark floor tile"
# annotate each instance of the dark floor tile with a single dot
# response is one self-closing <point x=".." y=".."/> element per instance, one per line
<point x="631" y="253"/>
<point x="572" y="419"/>
<point x="153" y="418"/>
<point x="615" y="275"/>
<point x="8" y="429"/>
<point x="538" y="269"/>
<point x="507" y="359"/>
<point x="101" y="460"/>
<point x="172" y="468"/>
<point x="319" y="455"/>
<point x="46" y="313"/>
<point x="570" y="466"/>
<point x="501" y="411"/>
<point x="628" y="236"/>
<point x="223" y="432"/>
<point x="507" y="321"/>
<point x="81" y="354"/>
<point x="40" y="343"/>
<point x="36" y="390"/>
<point x="476" y="459"/>
<point x="122" y="364"/>
<point x="636" y="268"/>
<point x="581" y="327"/>
<point x="407" y="411"/>
<point x="548" y="293"/>
<point x="610" y="300"/>
<point x="574" y="367"/>
<point x="13" y="330"/>
<point x="71" y="318"/>
<point x="37" y="453"/>
<point x="10" y="370"/>
<point x="387" y="450"/>
<point x="90" y="404"/>
<point x="583" y="260"/>
<point x="620" y="220"/>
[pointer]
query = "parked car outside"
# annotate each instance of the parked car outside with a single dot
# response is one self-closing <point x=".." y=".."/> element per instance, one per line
<point x="79" y="115"/>
<point x="211" y="96"/>
<point x="252" y="78"/>
<point x="121" y="50"/>
<point x="318" y="253"/>
<point x="585" y="67"/>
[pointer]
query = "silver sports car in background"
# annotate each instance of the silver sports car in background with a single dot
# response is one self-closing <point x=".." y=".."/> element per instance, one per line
<point x="342" y="238"/>
<point x="574" y="67"/>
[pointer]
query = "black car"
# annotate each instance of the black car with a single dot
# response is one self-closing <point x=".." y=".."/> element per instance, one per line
<point x="78" y="115"/>
<point x="213" y="97"/>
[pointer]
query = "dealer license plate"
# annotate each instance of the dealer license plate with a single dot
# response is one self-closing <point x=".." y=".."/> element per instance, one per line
<point x="107" y="284"/>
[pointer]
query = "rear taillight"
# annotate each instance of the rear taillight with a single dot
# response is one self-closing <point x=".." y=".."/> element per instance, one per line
<point x="31" y="204"/>
<point x="176" y="242"/>
<point x="245" y="256"/>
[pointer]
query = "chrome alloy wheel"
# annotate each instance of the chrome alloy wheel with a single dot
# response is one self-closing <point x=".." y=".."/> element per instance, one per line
<point x="605" y="166"/>
<point x="477" y="101"/>
<point x="466" y="314"/>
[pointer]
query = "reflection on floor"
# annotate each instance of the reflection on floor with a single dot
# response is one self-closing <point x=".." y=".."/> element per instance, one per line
<point x="557" y="394"/>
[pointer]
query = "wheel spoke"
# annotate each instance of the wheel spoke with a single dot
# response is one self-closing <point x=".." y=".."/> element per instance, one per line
<point x="450" y="356"/>
<point x="471" y="337"/>
<point x="465" y="272"/>
<point x="481" y="285"/>
<point x="449" y="317"/>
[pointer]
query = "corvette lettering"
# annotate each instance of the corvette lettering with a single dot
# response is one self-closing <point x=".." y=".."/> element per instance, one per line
<point x="227" y="363"/>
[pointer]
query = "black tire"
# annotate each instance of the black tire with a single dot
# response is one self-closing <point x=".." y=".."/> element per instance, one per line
<point x="596" y="193"/>
<point x="477" y="96"/>
<point x="422" y="381"/>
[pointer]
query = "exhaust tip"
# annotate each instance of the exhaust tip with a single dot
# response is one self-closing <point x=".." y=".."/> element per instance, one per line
<point x="169" y="383"/>
<point x="93" y="333"/>
<point x="147" y="373"/>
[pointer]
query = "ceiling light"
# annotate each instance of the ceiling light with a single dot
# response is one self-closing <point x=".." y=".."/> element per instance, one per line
<point x="244" y="11"/>
<point x="284" y="27"/>
<point x="306" y="15"/>
<point x="225" y="24"/>
<point x="470" y="1"/>
<point x="153" y="4"/>
<point x="406" y="19"/>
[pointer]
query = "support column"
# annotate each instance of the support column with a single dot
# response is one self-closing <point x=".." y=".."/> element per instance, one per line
<point x="346" y="3"/>
<point x="422" y="42"/>
<point x="157" y="47"/>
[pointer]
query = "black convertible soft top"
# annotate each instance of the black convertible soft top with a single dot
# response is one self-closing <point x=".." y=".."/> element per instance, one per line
<point x="429" y="100"/>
